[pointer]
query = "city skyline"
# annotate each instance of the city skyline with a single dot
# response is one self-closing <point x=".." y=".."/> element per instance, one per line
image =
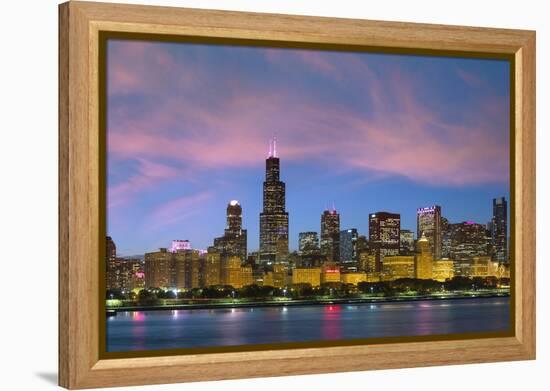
<point x="170" y="176"/>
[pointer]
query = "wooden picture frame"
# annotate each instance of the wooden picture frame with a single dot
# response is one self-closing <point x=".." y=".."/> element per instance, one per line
<point x="80" y="206"/>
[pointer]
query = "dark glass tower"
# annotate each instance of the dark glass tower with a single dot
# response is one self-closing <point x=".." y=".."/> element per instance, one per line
<point x="499" y="229"/>
<point x="233" y="242"/>
<point x="330" y="235"/>
<point x="384" y="235"/>
<point x="428" y="223"/>
<point x="274" y="218"/>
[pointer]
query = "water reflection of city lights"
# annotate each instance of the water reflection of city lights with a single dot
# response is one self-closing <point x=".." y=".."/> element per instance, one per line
<point x="138" y="316"/>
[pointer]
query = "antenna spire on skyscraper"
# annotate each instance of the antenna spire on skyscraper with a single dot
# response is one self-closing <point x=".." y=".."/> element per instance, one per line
<point x="274" y="146"/>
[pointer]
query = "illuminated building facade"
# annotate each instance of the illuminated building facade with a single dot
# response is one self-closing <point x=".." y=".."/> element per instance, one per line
<point x="111" y="264"/>
<point x="234" y="240"/>
<point x="308" y="243"/>
<point x="353" y="278"/>
<point x="348" y="246"/>
<point x="159" y="270"/>
<point x="310" y="275"/>
<point x="330" y="273"/>
<point x="180" y="245"/>
<point x="468" y="240"/>
<point x="212" y="268"/>
<point x="367" y="262"/>
<point x="397" y="266"/>
<point x="273" y="218"/>
<point x="330" y="235"/>
<point x="428" y="222"/>
<point x="445" y="238"/>
<point x="499" y="230"/>
<point x="423" y="259"/>
<point x="406" y="242"/>
<point x="131" y="275"/>
<point x="483" y="267"/>
<point x="276" y="277"/>
<point x="443" y="269"/>
<point x="126" y="274"/>
<point x="236" y="275"/>
<point x="384" y="235"/>
<point x="191" y="264"/>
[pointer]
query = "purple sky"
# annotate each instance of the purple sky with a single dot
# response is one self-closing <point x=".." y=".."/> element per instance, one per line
<point x="188" y="127"/>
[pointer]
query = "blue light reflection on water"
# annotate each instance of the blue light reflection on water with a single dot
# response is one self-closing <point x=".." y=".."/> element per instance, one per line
<point x="148" y="330"/>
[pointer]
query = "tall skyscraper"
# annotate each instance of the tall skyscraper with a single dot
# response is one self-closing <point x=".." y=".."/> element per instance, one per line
<point x="330" y="235"/>
<point x="111" y="264"/>
<point x="406" y="239"/>
<point x="348" y="245"/>
<point x="274" y="218"/>
<point x="308" y="243"/>
<point x="428" y="223"/>
<point x="445" y="238"/>
<point x="384" y="235"/>
<point x="499" y="230"/>
<point x="234" y="240"/>
<point x="423" y="260"/>
<point x="468" y="240"/>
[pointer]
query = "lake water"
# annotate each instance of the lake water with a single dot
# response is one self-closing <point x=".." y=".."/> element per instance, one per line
<point x="152" y="330"/>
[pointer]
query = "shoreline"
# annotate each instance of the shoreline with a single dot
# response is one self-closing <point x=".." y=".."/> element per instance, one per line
<point x="303" y="302"/>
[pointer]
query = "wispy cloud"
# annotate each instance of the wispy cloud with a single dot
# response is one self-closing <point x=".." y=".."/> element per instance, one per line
<point x="147" y="175"/>
<point x="200" y="119"/>
<point x="177" y="210"/>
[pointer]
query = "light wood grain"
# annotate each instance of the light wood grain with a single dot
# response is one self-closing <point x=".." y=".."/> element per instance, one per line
<point x="79" y="363"/>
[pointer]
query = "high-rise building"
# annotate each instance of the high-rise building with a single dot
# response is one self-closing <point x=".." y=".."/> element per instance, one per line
<point x="384" y="235"/>
<point x="212" y="268"/>
<point x="406" y="242"/>
<point x="348" y="246"/>
<point x="445" y="238"/>
<point x="236" y="275"/>
<point x="330" y="235"/>
<point x="191" y="264"/>
<point x="159" y="269"/>
<point x="468" y="240"/>
<point x="423" y="260"/>
<point x="428" y="223"/>
<point x="173" y="270"/>
<point x="273" y="218"/>
<point x="123" y="274"/>
<point x="234" y="240"/>
<point x="308" y="243"/>
<point x="111" y="264"/>
<point x="499" y="232"/>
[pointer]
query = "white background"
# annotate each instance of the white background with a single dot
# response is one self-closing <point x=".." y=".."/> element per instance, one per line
<point x="28" y="193"/>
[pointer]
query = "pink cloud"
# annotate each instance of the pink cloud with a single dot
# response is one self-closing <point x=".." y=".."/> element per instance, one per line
<point x="469" y="78"/>
<point x="177" y="210"/>
<point x="148" y="174"/>
<point x="403" y="136"/>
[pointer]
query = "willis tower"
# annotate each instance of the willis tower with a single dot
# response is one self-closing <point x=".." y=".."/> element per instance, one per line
<point x="274" y="218"/>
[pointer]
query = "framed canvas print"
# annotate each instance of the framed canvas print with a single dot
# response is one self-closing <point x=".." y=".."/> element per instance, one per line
<point x="247" y="195"/>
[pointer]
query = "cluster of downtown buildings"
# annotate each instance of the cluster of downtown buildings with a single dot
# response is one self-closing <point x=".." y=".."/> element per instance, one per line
<point x="441" y="250"/>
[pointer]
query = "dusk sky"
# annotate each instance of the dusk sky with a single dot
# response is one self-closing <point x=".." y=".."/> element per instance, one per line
<point x="188" y="128"/>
